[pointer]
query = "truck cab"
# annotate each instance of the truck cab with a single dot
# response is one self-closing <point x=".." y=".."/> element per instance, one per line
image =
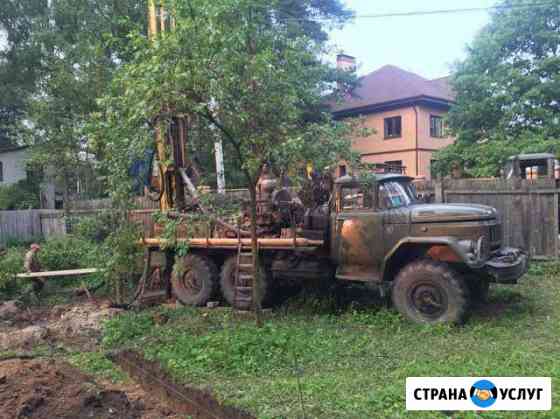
<point x="434" y="259"/>
<point x="532" y="166"/>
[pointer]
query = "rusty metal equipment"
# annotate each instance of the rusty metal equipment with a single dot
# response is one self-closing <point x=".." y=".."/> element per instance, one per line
<point x="373" y="231"/>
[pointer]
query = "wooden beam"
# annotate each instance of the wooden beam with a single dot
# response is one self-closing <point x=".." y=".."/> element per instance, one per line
<point x="50" y="274"/>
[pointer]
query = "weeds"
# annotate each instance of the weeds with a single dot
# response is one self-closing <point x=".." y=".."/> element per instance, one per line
<point x="351" y="362"/>
<point x="97" y="364"/>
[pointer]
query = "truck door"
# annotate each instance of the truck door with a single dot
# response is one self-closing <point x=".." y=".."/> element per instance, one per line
<point x="358" y="244"/>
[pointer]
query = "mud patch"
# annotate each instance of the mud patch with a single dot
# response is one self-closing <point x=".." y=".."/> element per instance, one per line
<point x="79" y="321"/>
<point x="185" y="400"/>
<point x="43" y="389"/>
<point x="77" y="326"/>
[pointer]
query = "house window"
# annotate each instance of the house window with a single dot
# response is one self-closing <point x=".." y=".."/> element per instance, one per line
<point x="393" y="127"/>
<point x="436" y="126"/>
<point x="1" y="172"/>
<point x="394" y="166"/>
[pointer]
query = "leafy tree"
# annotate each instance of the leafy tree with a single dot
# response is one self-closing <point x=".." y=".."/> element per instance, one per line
<point x="60" y="57"/>
<point x="243" y="70"/>
<point x="507" y="89"/>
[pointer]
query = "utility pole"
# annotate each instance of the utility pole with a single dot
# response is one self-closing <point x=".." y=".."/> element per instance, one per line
<point x="220" y="172"/>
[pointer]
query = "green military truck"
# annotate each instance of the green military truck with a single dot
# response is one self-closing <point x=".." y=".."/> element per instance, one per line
<point x="434" y="260"/>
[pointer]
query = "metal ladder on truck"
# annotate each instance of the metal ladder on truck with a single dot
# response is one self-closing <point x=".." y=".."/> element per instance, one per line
<point x="244" y="278"/>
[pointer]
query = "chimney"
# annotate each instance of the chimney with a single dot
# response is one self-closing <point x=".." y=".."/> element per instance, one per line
<point x="345" y="62"/>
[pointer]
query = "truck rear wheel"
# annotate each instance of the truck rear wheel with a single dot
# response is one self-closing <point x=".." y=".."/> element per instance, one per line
<point x="427" y="291"/>
<point x="194" y="279"/>
<point x="227" y="285"/>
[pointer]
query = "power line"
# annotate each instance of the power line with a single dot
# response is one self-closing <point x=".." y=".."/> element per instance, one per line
<point x="291" y="17"/>
<point x="454" y="11"/>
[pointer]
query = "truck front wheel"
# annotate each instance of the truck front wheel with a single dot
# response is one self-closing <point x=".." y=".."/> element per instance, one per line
<point x="427" y="291"/>
<point x="194" y="279"/>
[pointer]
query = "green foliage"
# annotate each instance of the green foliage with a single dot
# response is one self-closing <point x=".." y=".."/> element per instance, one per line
<point x="11" y="263"/>
<point x="95" y="228"/>
<point x="21" y="195"/>
<point x="121" y="264"/>
<point x="507" y="90"/>
<point x="97" y="364"/>
<point x="270" y="76"/>
<point x="550" y="269"/>
<point x="122" y="330"/>
<point x="59" y="58"/>
<point x="67" y="252"/>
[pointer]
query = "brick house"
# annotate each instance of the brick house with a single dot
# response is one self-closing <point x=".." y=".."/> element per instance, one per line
<point x="406" y="112"/>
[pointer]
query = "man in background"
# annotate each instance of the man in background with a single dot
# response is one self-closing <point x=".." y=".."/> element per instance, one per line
<point x="31" y="264"/>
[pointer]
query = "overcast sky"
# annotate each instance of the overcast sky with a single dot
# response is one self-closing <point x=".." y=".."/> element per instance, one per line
<point x="426" y="45"/>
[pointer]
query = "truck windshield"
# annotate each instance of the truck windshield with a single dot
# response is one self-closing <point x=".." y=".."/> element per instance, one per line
<point x="394" y="194"/>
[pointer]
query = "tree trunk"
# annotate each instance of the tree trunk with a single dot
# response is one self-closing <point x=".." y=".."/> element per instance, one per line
<point x="256" y="265"/>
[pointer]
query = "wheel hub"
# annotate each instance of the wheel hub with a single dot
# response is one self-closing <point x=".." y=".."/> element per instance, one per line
<point x="191" y="283"/>
<point x="429" y="300"/>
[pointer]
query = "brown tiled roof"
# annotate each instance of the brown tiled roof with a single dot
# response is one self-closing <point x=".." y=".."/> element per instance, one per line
<point x="393" y="84"/>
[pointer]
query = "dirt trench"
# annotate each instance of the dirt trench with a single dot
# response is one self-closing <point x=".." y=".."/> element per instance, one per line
<point x="41" y="385"/>
<point x="183" y="399"/>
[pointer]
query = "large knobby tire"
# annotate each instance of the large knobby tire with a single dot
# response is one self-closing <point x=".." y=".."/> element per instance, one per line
<point x="427" y="291"/>
<point x="194" y="279"/>
<point x="227" y="283"/>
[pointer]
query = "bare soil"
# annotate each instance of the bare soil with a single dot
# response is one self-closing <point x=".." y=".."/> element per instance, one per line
<point x="51" y="388"/>
<point x="47" y="389"/>
<point x="35" y="385"/>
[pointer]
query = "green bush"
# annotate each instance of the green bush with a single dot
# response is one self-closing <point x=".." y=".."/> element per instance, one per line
<point x="67" y="252"/>
<point x="97" y="242"/>
<point x="95" y="228"/>
<point x="11" y="263"/>
<point x="23" y="243"/>
<point x="21" y="195"/>
<point x="122" y="266"/>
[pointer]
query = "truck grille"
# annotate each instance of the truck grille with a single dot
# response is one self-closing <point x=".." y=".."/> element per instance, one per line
<point x="495" y="235"/>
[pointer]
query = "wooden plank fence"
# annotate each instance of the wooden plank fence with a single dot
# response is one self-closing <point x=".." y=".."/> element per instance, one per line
<point x="528" y="209"/>
<point x="19" y="224"/>
<point x="30" y="225"/>
<point x="27" y="225"/>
